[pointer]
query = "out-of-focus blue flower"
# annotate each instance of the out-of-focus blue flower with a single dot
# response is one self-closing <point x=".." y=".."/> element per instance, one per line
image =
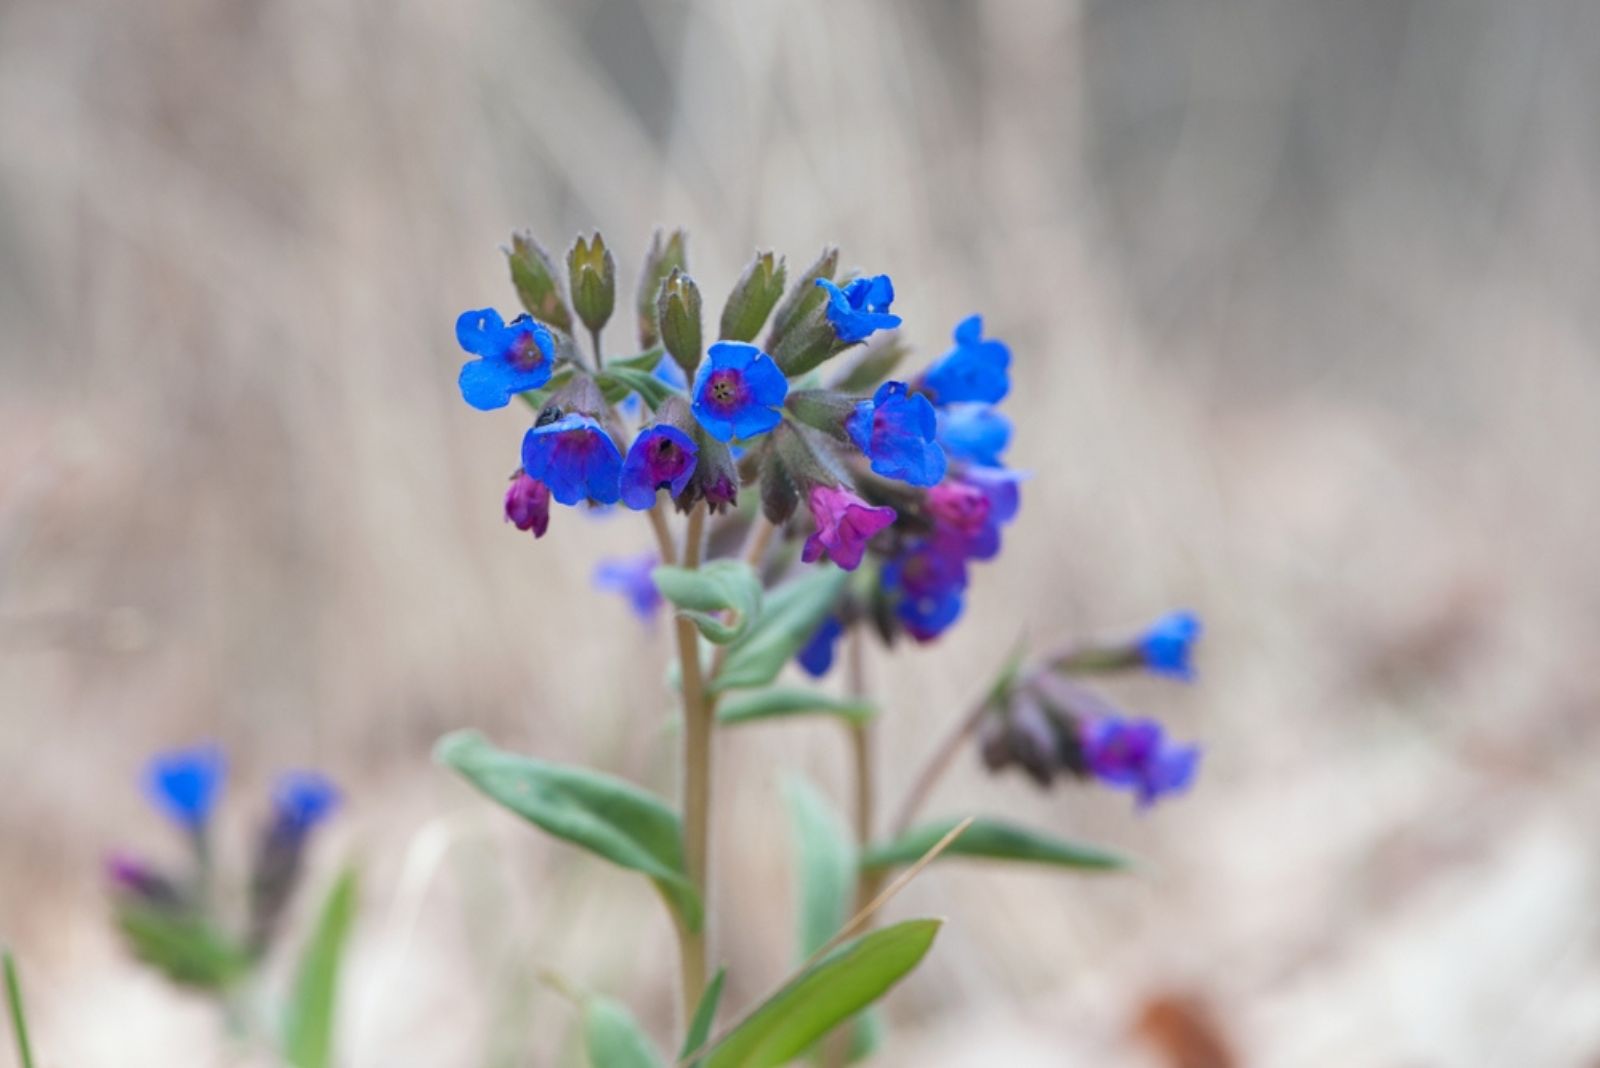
<point x="301" y="800"/>
<point x="512" y="357"/>
<point x="1136" y="755"/>
<point x="737" y="391"/>
<point x="185" y="783"/>
<point x="1169" y="643"/>
<point x="661" y="457"/>
<point x="667" y="371"/>
<point x="576" y="458"/>
<point x="630" y="576"/>
<point x="975" y="370"/>
<point x="528" y="504"/>
<point x="896" y="430"/>
<point x="845" y="523"/>
<point x="861" y="308"/>
<point x="930" y="578"/>
<point x="974" y="432"/>
<point x="817" y="655"/>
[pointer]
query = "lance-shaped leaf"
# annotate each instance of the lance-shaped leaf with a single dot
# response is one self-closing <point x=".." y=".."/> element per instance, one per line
<point x="308" y="1028"/>
<point x="789" y="616"/>
<point x="616" y="382"/>
<point x="605" y="815"/>
<point x="612" y="1037"/>
<point x="823" y="996"/>
<point x="186" y="948"/>
<point x="703" y="593"/>
<point x="993" y="840"/>
<point x="785" y="701"/>
<point x="14" y="1009"/>
<point x="825" y="863"/>
<point x="705" y="1014"/>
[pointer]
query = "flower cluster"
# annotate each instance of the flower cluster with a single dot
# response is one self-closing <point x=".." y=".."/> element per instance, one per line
<point x="167" y="915"/>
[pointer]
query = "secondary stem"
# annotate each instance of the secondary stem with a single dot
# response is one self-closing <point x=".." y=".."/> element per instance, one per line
<point x="698" y="714"/>
<point x="937" y="765"/>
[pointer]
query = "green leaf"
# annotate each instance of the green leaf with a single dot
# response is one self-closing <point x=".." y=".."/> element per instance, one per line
<point x="19" y="1018"/>
<point x="605" y="815"/>
<point x="308" y="1029"/>
<point x="823" y="996"/>
<point x="790" y="614"/>
<point x="825" y="861"/>
<point x="866" y="1036"/>
<point x="182" y="946"/>
<point x="617" y="381"/>
<point x="705" y="1014"/>
<point x="612" y="1037"/>
<point x="875" y="364"/>
<point x="781" y="701"/>
<point x="645" y="361"/>
<point x="993" y="840"/>
<point x="720" y="586"/>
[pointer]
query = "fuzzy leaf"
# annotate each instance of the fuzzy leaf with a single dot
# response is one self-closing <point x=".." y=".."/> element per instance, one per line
<point x="607" y="816"/>
<point x="612" y="1037"/>
<point x="781" y="701"/>
<point x="790" y="614"/>
<point x="185" y="948"/>
<point x="720" y="586"/>
<point x="993" y="840"/>
<point x="617" y="381"/>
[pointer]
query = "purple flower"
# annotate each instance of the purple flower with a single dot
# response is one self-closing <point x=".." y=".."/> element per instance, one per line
<point x="861" y="308"/>
<point x="931" y="579"/>
<point x="1135" y="755"/>
<point x="576" y="458"/>
<point x="960" y="511"/>
<point x="975" y="370"/>
<point x="528" y="504"/>
<point x="512" y="358"/>
<point x="301" y="800"/>
<point x="1167" y="645"/>
<point x="896" y="431"/>
<point x="134" y="877"/>
<point x="999" y="485"/>
<point x="184" y="783"/>
<point x="662" y="457"/>
<point x="974" y="432"/>
<point x="737" y="391"/>
<point x="845" y="523"/>
<point x="817" y="655"/>
<point x="630" y="576"/>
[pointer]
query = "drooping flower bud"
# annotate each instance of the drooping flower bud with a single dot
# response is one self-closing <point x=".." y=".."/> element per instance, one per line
<point x="301" y="800"/>
<point x="661" y="457"/>
<point x="715" y="477"/>
<point x="136" y="880"/>
<point x="803" y="298"/>
<point x="678" y="317"/>
<point x="528" y="504"/>
<point x="533" y="274"/>
<point x="753" y="297"/>
<point x="592" y="273"/>
<point x="660" y="261"/>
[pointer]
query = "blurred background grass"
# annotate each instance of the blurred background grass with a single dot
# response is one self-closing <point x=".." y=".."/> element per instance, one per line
<point x="1301" y="297"/>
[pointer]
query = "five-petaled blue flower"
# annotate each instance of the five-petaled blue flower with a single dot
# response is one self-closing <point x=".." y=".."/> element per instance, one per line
<point x="661" y="457"/>
<point x="974" y="432"/>
<point x="631" y="576"/>
<point x="737" y="391"/>
<point x="512" y="357"/>
<point x="896" y="430"/>
<point x="185" y="783"/>
<point x="1136" y="755"/>
<point x="1167" y="644"/>
<point x="576" y="458"/>
<point x="861" y="308"/>
<point x="975" y="370"/>
<point x="816" y="656"/>
<point x="301" y="800"/>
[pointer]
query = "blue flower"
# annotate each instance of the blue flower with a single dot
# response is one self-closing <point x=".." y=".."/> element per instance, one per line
<point x="896" y="429"/>
<point x="1167" y="644"/>
<point x="975" y="370"/>
<point x="737" y="391"/>
<point x="1135" y="755"/>
<point x="930" y="578"/>
<point x="184" y="783"/>
<point x="817" y="655"/>
<point x="631" y="577"/>
<point x="301" y="800"/>
<point x="861" y="308"/>
<point x="512" y="358"/>
<point x="576" y="458"/>
<point x="661" y="457"/>
<point x="974" y="432"/>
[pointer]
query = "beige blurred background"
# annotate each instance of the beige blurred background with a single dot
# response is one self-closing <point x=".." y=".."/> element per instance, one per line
<point x="1302" y="300"/>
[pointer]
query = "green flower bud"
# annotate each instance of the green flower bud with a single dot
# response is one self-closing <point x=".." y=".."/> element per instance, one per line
<point x="804" y="297"/>
<point x="779" y="495"/>
<point x="593" y="274"/>
<point x="662" y="259"/>
<point x="753" y="296"/>
<point x="678" y="316"/>
<point x="824" y="409"/>
<point x="534" y="277"/>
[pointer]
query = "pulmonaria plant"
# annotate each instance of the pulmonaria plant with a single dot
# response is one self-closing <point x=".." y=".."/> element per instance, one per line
<point x="905" y="487"/>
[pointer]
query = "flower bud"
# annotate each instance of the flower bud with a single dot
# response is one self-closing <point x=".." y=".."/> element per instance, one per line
<point x="678" y="317"/>
<point x="825" y="409"/>
<point x="753" y="297"/>
<point x="779" y="495"/>
<point x="592" y="273"/>
<point x="662" y="259"/>
<point x="534" y="277"/>
<point x="716" y="477"/>
<point x="804" y="297"/>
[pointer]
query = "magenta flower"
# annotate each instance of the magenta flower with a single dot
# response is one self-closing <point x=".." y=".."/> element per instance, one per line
<point x="528" y="504"/>
<point x="845" y="523"/>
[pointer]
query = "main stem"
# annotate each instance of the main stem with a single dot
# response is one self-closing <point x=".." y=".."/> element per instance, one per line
<point x="861" y="749"/>
<point x="698" y="714"/>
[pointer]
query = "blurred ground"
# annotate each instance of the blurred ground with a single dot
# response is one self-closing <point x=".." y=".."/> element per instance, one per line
<point x="1302" y="301"/>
